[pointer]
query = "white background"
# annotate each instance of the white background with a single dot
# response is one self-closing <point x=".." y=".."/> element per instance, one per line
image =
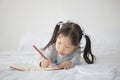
<point x="99" y="18"/>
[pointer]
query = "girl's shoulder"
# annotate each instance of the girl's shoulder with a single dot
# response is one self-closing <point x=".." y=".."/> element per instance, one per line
<point x="51" y="48"/>
<point x="78" y="50"/>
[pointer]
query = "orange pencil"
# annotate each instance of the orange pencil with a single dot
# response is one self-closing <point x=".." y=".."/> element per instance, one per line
<point x="40" y="53"/>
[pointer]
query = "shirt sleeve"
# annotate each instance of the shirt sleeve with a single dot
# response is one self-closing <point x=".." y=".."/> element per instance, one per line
<point x="50" y="53"/>
<point x="76" y="59"/>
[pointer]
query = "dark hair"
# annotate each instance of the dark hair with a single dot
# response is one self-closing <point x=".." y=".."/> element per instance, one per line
<point x="74" y="31"/>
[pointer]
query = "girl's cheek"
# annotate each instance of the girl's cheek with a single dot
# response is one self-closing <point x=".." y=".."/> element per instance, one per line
<point x="69" y="51"/>
<point x="57" y="47"/>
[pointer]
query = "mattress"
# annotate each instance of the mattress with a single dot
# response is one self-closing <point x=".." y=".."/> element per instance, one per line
<point x="107" y="67"/>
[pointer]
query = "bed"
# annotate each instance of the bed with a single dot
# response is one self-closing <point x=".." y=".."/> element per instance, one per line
<point x="107" y="66"/>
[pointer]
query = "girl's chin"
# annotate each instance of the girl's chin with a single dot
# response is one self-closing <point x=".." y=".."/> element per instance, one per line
<point x="61" y="53"/>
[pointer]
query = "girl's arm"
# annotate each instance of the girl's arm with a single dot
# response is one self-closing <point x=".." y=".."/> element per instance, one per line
<point x="70" y="63"/>
<point x="76" y="59"/>
<point x="45" y="63"/>
<point x="50" y="54"/>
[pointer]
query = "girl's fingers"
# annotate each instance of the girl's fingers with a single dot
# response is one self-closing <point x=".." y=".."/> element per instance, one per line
<point x="45" y="63"/>
<point x="47" y="60"/>
<point x="60" y="66"/>
<point x="67" y="67"/>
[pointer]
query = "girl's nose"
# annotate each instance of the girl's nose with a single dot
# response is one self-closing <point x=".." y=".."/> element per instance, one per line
<point x="61" y="49"/>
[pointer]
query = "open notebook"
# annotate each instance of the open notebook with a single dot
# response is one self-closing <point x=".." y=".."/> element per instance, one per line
<point x="28" y="67"/>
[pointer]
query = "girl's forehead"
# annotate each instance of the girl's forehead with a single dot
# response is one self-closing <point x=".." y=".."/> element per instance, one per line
<point x="65" y="39"/>
<point x="63" y="35"/>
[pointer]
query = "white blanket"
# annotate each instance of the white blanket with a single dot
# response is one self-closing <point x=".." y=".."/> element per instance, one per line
<point x="97" y="71"/>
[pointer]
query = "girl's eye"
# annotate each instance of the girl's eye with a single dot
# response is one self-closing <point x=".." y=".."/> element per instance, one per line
<point x="59" y="42"/>
<point x="67" y="47"/>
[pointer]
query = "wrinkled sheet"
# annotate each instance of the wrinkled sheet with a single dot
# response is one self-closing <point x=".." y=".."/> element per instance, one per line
<point x="101" y="70"/>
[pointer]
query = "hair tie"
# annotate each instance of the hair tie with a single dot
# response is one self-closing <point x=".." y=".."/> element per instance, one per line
<point x="60" y="24"/>
<point x="84" y="34"/>
<point x="83" y="31"/>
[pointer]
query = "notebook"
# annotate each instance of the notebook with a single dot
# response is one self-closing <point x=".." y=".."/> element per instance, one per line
<point x="28" y="67"/>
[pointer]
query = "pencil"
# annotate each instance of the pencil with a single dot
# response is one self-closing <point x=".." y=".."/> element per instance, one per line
<point x="40" y="53"/>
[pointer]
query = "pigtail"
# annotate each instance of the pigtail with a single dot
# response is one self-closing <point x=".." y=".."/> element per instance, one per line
<point x="88" y="56"/>
<point x="53" y="38"/>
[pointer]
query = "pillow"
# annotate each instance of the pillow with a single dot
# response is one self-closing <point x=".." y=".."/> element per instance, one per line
<point x="40" y="39"/>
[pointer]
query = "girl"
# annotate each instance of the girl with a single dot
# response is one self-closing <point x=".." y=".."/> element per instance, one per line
<point x="63" y="49"/>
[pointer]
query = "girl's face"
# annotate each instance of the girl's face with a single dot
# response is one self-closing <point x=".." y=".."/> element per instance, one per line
<point x="64" y="45"/>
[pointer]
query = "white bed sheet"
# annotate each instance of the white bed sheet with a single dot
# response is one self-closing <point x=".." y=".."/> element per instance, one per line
<point x="106" y="68"/>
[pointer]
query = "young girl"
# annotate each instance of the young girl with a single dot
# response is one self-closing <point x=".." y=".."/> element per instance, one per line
<point x="64" y="47"/>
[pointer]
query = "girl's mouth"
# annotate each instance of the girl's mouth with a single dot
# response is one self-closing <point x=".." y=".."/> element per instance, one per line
<point x="61" y="53"/>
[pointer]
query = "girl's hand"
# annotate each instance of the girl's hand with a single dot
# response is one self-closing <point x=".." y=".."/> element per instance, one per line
<point x="45" y="63"/>
<point x="65" y="65"/>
